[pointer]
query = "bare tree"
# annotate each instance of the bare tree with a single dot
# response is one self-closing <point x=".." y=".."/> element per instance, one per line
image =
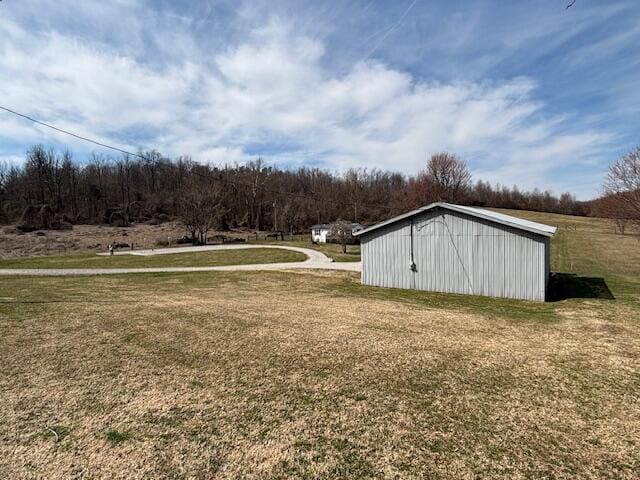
<point x="4" y="175"/>
<point x="355" y="181"/>
<point x="103" y="189"/>
<point x="124" y="181"/>
<point x="622" y="186"/>
<point x="70" y="185"/>
<point x="612" y="208"/>
<point x="448" y="176"/>
<point x="38" y="168"/>
<point x="257" y="175"/>
<point x="98" y="176"/>
<point x="341" y="232"/>
<point x="200" y="210"/>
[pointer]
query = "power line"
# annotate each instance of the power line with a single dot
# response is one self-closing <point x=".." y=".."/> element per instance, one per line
<point x="209" y="176"/>
<point x="66" y="132"/>
<point x="169" y="164"/>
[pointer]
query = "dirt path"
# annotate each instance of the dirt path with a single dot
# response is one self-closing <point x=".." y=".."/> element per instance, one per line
<point x="315" y="260"/>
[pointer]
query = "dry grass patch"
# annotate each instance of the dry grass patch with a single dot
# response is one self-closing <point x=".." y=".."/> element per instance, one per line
<point x="292" y="375"/>
<point x="83" y="238"/>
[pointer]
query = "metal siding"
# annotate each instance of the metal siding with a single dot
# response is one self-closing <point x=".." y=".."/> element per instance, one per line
<point x="547" y="263"/>
<point x="457" y="253"/>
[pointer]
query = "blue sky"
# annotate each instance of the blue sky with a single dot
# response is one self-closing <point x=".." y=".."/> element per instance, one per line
<point x="528" y="93"/>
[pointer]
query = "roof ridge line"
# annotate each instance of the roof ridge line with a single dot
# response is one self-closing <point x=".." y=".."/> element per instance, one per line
<point x="489" y="215"/>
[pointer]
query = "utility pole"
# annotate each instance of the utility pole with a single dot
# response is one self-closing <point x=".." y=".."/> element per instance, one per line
<point x="275" y="215"/>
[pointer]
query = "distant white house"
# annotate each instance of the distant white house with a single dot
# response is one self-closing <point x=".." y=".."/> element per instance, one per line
<point x="320" y="231"/>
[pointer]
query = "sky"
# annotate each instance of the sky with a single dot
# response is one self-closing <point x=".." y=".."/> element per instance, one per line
<point x="528" y="93"/>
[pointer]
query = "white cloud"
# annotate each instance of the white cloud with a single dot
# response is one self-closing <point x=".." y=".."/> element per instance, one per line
<point x="274" y="89"/>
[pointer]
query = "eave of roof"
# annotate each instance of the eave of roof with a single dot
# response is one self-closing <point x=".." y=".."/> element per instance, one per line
<point x="500" y="218"/>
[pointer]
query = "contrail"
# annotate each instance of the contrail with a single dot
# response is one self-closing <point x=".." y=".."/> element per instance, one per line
<point x="391" y="30"/>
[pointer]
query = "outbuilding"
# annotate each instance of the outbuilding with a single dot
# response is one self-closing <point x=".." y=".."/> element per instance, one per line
<point x="457" y="249"/>
<point x="321" y="233"/>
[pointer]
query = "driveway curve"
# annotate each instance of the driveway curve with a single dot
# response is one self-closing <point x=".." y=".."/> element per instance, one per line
<point x="315" y="260"/>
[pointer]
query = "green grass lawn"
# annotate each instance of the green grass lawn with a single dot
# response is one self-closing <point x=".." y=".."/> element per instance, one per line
<point x="332" y="250"/>
<point x="590" y="250"/>
<point x="196" y="259"/>
<point x="311" y="375"/>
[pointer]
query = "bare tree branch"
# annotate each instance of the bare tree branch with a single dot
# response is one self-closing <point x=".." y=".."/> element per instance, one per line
<point x="622" y="188"/>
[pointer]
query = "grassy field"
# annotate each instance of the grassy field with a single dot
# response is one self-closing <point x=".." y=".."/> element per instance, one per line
<point x="310" y="375"/>
<point x="198" y="259"/>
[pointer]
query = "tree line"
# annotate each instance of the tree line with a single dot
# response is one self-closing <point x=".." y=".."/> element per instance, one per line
<point x="51" y="189"/>
<point x="621" y="199"/>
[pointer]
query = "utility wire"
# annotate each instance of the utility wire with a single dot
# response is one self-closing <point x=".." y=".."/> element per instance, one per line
<point x="158" y="164"/>
<point x="66" y="132"/>
<point x="210" y="176"/>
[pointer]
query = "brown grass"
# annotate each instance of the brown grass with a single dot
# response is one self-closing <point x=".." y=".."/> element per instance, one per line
<point x="83" y="238"/>
<point x="281" y="375"/>
<point x="90" y="238"/>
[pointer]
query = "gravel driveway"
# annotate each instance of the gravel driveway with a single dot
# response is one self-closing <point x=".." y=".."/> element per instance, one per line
<point x="315" y="260"/>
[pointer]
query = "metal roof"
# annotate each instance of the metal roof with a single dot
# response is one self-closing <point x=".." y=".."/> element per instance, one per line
<point x="501" y="218"/>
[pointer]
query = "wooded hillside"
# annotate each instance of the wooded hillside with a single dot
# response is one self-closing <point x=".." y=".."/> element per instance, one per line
<point x="55" y="189"/>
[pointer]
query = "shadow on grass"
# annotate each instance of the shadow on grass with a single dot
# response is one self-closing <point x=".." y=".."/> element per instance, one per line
<point x="563" y="286"/>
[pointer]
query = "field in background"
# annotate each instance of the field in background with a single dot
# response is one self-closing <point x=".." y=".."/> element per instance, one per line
<point x="311" y="375"/>
<point x="596" y="262"/>
<point x="331" y="250"/>
<point x="589" y="246"/>
<point x="88" y="239"/>
<point x="196" y="259"/>
<point x="84" y="239"/>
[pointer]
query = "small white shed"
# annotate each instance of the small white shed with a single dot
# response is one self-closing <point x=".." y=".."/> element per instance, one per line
<point x="457" y="249"/>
